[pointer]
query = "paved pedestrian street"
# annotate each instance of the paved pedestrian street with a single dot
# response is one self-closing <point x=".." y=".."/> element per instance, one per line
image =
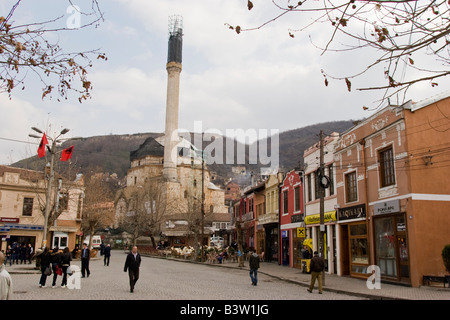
<point x="162" y="279"/>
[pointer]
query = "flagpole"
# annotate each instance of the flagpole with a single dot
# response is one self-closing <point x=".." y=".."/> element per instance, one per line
<point x="47" y="198"/>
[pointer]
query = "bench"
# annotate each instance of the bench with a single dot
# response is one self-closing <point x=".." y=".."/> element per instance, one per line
<point x="439" y="279"/>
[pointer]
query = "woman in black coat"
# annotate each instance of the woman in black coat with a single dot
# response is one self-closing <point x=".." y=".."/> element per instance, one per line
<point x="45" y="263"/>
<point x="66" y="257"/>
<point x="56" y="263"/>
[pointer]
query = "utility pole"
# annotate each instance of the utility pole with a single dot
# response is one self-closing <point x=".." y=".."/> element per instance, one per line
<point x="322" y="203"/>
<point x="203" y="204"/>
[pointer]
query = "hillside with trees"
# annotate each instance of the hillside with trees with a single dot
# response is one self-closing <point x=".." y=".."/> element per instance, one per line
<point x="111" y="153"/>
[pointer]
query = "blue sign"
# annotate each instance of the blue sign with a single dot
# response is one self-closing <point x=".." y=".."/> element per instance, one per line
<point x="284" y="233"/>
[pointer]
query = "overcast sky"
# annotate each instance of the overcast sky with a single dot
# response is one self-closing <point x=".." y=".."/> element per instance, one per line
<point x="255" y="80"/>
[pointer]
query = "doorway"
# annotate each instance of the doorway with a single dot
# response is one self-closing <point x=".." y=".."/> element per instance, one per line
<point x="285" y="250"/>
<point x="345" y="256"/>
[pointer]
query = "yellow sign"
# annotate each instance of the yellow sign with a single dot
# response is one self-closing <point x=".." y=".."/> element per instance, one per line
<point x="301" y="233"/>
<point x="315" y="218"/>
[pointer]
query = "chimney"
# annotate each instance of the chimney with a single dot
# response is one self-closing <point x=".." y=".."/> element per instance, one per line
<point x="173" y="67"/>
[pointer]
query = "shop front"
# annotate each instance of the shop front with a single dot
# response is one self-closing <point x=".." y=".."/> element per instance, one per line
<point x="391" y="241"/>
<point x="21" y="234"/>
<point x="312" y="223"/>
<point x="354" y="241"/>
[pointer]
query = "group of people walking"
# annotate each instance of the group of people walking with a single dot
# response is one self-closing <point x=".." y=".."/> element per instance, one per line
<point x="57" y="263"/>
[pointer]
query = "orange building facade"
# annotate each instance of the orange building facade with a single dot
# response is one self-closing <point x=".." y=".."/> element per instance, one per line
<point x="393" y="200"/>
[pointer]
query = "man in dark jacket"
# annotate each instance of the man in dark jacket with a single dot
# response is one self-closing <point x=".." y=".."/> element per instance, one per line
<point x="85" y="257"/>
<point x="254" y="266"/>
<point x="132" y="264"/>
<point x="107" y="253"/>
<point x="317" y="266"/>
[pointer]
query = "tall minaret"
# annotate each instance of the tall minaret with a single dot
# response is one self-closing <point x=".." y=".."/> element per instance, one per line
<point x="173" y="90"/>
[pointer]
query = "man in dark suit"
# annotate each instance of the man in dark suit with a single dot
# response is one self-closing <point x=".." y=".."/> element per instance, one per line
<point x="85" y="257"/>
<point x="132" y="264"/>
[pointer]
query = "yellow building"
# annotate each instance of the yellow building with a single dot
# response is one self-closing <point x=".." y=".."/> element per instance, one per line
<point x="22" y="203"/>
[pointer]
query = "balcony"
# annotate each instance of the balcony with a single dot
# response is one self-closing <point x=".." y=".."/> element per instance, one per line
<point x="268" y="218"/>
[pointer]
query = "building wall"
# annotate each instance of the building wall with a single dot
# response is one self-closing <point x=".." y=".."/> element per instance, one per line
<point x="16" y="185"/>
<point x="312" y="208"/>
<point x="428" y="130"/>
<point x="290" y="218"/>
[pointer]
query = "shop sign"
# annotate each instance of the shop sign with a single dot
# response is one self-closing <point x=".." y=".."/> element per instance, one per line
<point x="353" y="212"/>
<point x="284" y="234"/>
<point x="301" y="233"/>
<point x="386" y="207"/>
<point x="9" y="220"/>
<point x="315" y="218"/>
<point x="296" y="218"/>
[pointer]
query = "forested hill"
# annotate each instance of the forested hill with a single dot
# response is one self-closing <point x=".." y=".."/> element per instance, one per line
<point x="111" y="153"/>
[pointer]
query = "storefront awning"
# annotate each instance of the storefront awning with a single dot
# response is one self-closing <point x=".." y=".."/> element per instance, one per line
<point x="63" y="229"/>
<point x="315" y="218"/>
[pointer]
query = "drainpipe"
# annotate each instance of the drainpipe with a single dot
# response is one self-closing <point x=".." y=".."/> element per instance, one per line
<point x="362" y="142"/>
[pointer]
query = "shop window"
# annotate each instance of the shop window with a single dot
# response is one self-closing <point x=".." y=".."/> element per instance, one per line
<point x="359" y="246"/>
<point x="60" y="240"/>
<point x="351" y="187"/>
<point x="387" y="173"/>
<point x="27" y="207"/>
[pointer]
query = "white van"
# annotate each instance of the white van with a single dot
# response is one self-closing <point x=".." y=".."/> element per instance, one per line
<point x="95" y="243"/>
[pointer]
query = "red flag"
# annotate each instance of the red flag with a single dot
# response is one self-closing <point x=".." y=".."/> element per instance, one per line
<point x="41" y="149"/>
<point x="66" y="154"/>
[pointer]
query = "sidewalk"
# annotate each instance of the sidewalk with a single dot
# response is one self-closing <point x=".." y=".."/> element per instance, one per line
<point x="333" y="283"/>
<point x="347" y="285"/>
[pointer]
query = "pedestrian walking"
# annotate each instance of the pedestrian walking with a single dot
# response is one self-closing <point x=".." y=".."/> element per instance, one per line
<point x="56" y="265"/>
<point x="23" y="254"/>
<point x="132" y="264"/>
<point x="5" y="280"/>
<point x="66" y="257"/>
<point x="85" y="257"/>
<point x="107" y="254"/>
<point x="317" y="266"/>
<point x="16" y="252"/>
<point x="30" y="251"/>
<point x="44" y="257"/>
<point x="254" y="266"/>
<point x="9" y="253"/>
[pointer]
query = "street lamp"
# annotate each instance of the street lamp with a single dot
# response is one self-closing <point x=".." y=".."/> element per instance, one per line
<point x="50" y="179"/>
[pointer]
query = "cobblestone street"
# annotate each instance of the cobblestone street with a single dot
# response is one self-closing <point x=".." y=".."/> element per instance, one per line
<point x="162" y="279"/>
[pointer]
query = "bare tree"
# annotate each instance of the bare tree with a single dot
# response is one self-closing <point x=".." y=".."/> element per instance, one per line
<point x="98" y="207"/>
<point x="145" y="209"/>
<point x="27" y="49"/>
<point x="402" y="33"/>
<point x="64" y="195"/>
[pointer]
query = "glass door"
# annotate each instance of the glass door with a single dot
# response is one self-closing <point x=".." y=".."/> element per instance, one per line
<point x="402" y="248"/>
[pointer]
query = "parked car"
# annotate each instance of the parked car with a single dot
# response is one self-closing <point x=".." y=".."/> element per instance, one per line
<point x="216" y="241"/>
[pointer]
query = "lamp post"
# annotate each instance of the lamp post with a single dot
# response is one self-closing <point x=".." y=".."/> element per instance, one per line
<point x="50" y="178"/>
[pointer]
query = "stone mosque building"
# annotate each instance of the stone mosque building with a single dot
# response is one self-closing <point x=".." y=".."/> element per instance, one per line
<point x="167" y="175"/>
